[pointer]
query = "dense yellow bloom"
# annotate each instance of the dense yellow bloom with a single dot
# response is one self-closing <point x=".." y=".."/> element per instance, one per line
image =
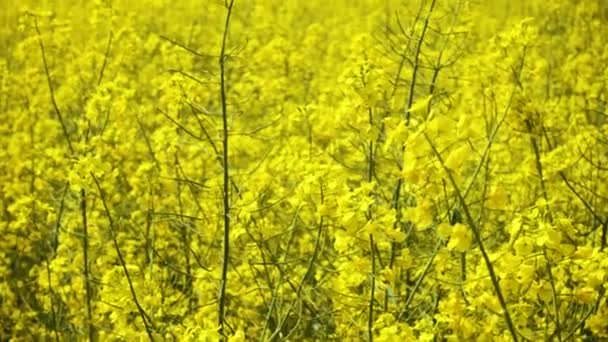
<point x="460" y="238"/>
<point x="392" y="172"/>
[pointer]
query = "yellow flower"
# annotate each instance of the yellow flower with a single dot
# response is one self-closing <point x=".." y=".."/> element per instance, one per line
<point x="598" y="324"/>
<point x="444" y="230"/>
<point x="239" y="336"/>
<point x="460" y="238"/>
<point x="421" y="105"/>
<point x="583" y="252"/>
<point x="584" y="295"/>
<point x="457" y="157"/>
<point x="422" y="214"/>
<point x="497" y="198"/>
<point x="549" y="236"/>
<point x="524" y="246"/>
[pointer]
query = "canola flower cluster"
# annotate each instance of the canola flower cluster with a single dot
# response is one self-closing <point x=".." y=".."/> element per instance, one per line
<point x="375" y="170"/>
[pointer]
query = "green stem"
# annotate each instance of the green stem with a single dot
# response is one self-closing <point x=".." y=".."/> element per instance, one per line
<point x="226" y="176"/>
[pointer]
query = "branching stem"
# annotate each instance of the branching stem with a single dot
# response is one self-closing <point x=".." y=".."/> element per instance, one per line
<point x="144" y="317"/>
<point x="477" y="234"/>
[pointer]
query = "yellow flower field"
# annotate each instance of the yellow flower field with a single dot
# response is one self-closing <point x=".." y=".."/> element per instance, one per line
<point x="303" y="170"/>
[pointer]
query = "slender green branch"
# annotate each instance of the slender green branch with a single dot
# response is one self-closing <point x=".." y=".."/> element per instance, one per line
<point x="427" y="268"/>
<point x="604" y="233"/>
<point x="562" y="175"/>
<point x="370" y="317"/>
<point x="370" y="176"/>
<point x="416" y="66"/>
<point x="403" y="58"/>
<point x="494" y="132"/>
<point x="85" y="249"/>
<point x="543" y="187"/>
<point x="275" y="296"/>
<point x="309" y="268"/>
<point x="558" y="327"/>
<point x="51" y="90"/>
<point x="82" y="191"/>
<point x="225" y="167"/>
<point x="55" y="241"/>
<point x="52" y="295"/>
<point x="144" y="317"/>
<point x="184" y="236"/>
<point x="539" y="165"/>
<point x="148" y="240"/>
<point x="192" y="51"/>
<point x="592" y="310"/>
<point x="105" y="58"/>
<point x="54" y="245"/>
<point x="477" y="234"/>
<point x="393" y="253"/>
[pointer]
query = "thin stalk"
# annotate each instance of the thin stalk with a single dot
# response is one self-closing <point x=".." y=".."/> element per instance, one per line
<point x="539" y="166"/>
<point x="55" y="241"/>
<point x="309" y="270"/>
<point x="397" y="191"/>
<point x="593" y="310"/>
<point x="52" y="295"/>
<point x="477" y="235"/>
<point x="416" y="66"/>
<point x="144" y="317"/>
<point x="558" y="327"/>
<point x="105" y="58"/>
<point x="396" y="197"/>
<point x="51" y="90"/>
<point x="604" y="233"/>
<point x="185" y="237"/>
<point x="85" y="249"/>
<point x="370" y="318"/>
<point x="412" y="293"/>
<point x="539" y="169"/>
<point x="225" y="167"/>
<point x="370" y="176"/>
<point x="82" y="191"/>
<point x="410" y="100"/>
<point x="403" y="58"/>
<point x="54" y="245"/>
<point x="273" y="301"/>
